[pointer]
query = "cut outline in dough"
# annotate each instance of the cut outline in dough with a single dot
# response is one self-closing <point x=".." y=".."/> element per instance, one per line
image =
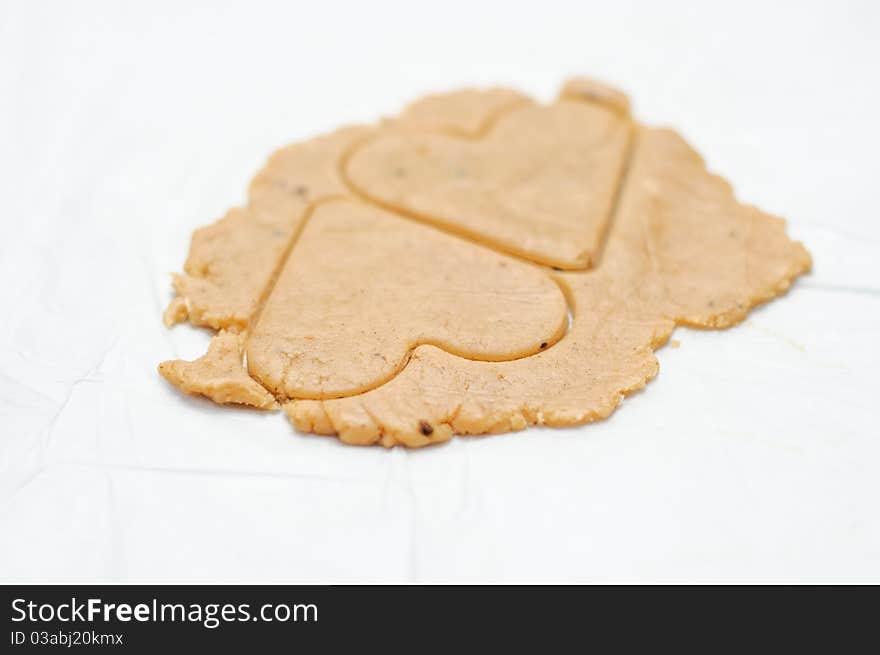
<point x="315" y="423"/>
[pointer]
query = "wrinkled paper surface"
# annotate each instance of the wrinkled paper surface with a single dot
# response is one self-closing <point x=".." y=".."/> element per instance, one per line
<point x="752" y="457"/>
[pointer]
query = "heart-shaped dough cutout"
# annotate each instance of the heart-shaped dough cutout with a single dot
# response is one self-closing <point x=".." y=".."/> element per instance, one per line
<point x="363" y="287"/>
<point x="540" y="184"/>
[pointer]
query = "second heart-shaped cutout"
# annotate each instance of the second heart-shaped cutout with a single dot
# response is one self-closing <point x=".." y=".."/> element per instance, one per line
<point x="539" y="184"/>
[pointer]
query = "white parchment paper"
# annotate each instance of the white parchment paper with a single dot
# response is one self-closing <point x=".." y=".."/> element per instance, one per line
<point x="124" y="126"/>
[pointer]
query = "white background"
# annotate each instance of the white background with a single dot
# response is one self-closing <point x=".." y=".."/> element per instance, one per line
<point x="123" y="126"/>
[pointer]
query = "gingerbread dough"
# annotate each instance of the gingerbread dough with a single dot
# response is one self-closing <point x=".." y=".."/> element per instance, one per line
<point x="219" y="375"/>
<point x="400" y="309"/>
